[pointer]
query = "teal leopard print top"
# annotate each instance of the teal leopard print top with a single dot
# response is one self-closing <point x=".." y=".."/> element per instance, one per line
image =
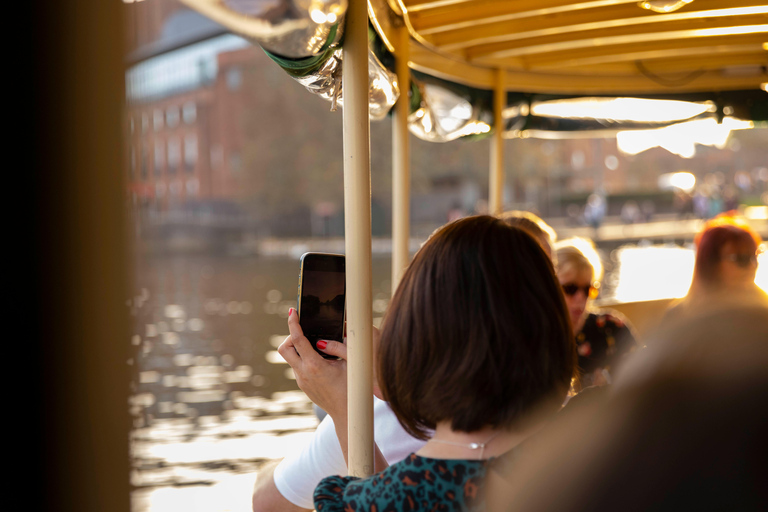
<point x="415" y="483"/>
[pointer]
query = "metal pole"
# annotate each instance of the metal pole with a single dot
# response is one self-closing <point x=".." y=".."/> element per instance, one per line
<point x="496" y="179"/>
<point x="401" y="172"/>
<point x="357" y="223"/>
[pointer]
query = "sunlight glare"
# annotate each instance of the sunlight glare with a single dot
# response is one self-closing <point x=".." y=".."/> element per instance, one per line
<point x="626" y="109"/>
<point x="274" y="357"/>
<point x="681" y="138"/>
<point x="756" y="212"/>
<point x="317" y="16"/>
<point x="761" y="279"/>
<point x="681" y="180"/>
<point x="649" y="273"/>
<point x="663" y="6"/>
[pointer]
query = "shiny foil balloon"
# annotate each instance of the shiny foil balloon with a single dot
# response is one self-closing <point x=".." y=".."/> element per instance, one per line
<point x="383" y="90"/>
<point x="293" y="29"/>
<point x="303" y="37"/>
<point x="445" y="116"/>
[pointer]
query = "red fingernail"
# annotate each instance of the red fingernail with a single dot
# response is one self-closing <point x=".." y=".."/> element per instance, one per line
<point x="321" y="344"/>
<point x="290" y="312"/>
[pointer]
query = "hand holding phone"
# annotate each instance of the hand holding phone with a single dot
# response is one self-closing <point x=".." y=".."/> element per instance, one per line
<point x="321" y="298"/>
<point x="324" y="381"/>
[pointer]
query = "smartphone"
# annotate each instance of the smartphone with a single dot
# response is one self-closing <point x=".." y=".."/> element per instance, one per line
<point x="321" y="297"/>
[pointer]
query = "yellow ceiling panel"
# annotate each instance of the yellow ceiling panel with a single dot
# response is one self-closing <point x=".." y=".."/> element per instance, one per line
<point x="613" y="46"/>
<point x="584" y="23"/>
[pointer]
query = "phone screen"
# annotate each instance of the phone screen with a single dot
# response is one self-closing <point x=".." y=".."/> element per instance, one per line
<point x="321" y="303"/>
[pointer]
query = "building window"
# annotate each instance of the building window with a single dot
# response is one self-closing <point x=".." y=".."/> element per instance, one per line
<point x="174" y="154"/>
<point x="175" y="188"/>
<point x="234" y="78"/>
<point x="235" y="162"/>
<point x="172" y="117"/>
<point x="132" y="152"/>
<point x="217" y="156"/>
<point x="193" y="187"/>
<point x="190" y="151"/>
<point x="144" y="163"/>
<point x="189" y="112"/>
<point x="157" y="119"/>
<point x="159" y="157"/>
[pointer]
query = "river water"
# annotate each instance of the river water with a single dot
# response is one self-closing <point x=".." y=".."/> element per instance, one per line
<point x="212" y="399"/>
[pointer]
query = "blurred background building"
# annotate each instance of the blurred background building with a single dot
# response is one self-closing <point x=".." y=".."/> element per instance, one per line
<point x="214" y="134"/>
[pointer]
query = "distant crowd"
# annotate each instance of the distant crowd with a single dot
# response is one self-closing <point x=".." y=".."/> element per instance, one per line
<point x="705" y="201"/>
<point x="500" y="386"/>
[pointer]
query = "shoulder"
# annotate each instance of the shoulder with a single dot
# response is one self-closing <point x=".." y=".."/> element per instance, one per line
<point x="417" y="481"/>
<point x="329" y="493"/>
<point x="393" y="441"/>
<point x="611" y="319"/>
<point x="613" y="322"/>
<point x="339" y="493"/>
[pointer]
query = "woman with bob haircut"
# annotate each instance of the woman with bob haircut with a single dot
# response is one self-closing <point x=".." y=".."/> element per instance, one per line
<point x="475" y="349"/>
<point x="725" y="268"/>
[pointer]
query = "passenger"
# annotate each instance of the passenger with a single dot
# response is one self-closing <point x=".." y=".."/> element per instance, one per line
<point x="682" y="428"/>
<point x="603" y="338"/>
<point x="725" y="267"/>
<point x="289" y="484"/>
<point x="475" y="341"/>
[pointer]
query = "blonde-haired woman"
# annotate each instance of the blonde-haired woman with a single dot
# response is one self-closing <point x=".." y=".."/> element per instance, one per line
<point x="602" y="337"/>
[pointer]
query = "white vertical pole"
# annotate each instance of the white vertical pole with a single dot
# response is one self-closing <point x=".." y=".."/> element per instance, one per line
<point x="357" y="224"/>
<point x="401" y="173"/>
<point x="496" y="178"/>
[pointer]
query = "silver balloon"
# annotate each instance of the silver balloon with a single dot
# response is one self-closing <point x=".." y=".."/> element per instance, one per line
<point x="383" y="89"/>
<point x="293" y="29"/>
<point x="445" y="116"/>
<point x="326" y="81"/>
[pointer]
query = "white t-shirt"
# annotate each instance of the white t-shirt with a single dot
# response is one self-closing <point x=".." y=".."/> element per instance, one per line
<point x="297" y="476"/>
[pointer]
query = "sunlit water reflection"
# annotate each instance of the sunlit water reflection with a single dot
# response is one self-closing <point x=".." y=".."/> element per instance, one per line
<point x="661" y="272"/>
<point x="213" y="400"/>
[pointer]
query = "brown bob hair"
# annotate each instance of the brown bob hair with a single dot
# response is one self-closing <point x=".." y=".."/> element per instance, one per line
<point x="477" y="332"/>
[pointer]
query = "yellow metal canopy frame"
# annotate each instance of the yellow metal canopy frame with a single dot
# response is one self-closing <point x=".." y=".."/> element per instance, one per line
<point x="614" y="47"/>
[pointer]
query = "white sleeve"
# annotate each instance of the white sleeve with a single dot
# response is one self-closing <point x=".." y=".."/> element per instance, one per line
<point x="297" y="476"/>
<point x="391" y="438"/>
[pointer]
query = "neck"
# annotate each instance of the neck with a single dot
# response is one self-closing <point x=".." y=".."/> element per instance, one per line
<point x="707" y="290"/>
<point x="579" y="324"/>
<point x="493" y="442"/>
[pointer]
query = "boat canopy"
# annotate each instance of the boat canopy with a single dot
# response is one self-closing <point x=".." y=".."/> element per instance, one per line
<point x="497" y="69"/>
<point x="566" y="66"/>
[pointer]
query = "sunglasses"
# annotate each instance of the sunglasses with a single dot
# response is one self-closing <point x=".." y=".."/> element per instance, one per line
<point x="743" y="260"/>
<point x="571" y="289"/>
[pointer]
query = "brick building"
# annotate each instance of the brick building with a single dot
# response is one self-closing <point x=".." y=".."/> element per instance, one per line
<point x="185" y="86"/>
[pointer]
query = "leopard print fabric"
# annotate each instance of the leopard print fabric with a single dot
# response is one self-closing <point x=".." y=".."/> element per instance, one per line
<point x="415" y="483"/>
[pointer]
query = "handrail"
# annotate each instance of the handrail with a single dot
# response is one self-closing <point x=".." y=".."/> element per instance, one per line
<point x="357" y="223"/>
